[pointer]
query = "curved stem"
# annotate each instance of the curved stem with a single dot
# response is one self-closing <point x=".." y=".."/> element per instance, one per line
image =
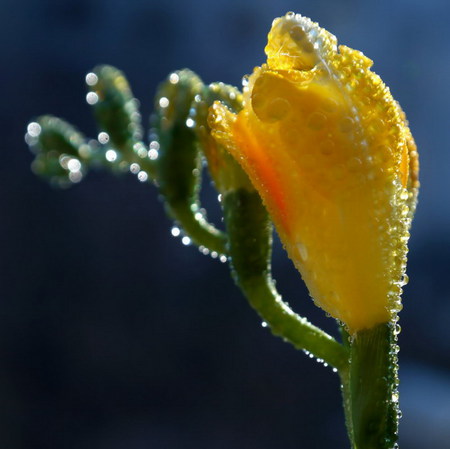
<point x="249" y="240"/>
<point x="285" y="323"/>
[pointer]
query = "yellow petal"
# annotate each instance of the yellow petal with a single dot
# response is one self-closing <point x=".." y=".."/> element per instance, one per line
<point x="330" y="153"/>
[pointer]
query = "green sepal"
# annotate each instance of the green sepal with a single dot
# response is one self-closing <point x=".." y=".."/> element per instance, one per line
<point x="179" y="163"/>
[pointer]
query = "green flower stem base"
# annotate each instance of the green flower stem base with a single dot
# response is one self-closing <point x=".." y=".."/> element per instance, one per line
<point x="370" y="389"/>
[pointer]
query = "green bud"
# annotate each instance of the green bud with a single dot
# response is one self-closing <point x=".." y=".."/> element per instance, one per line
<point x="115" y="110"/>
<point x="61" y="151"/>
<point x="179" y="164"/>
<point x="223" y="168"/>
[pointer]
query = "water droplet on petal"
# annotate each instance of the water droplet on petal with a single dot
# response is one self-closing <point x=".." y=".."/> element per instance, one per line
<point x="302" y="251"/>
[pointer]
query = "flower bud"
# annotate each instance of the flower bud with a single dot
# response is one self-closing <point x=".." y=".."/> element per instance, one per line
<point x="331" y="154"/>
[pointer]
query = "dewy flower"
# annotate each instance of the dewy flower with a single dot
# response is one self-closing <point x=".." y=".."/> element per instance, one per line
<point x="333" y="159"/>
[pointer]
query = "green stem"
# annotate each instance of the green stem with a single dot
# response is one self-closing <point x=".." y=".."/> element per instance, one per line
<point x="285" y="323"/>
<point x="249" y="233"/>
<point x="372" y="395"/>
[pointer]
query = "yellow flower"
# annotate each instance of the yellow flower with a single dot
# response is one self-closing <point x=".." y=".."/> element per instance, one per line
<point x="331" y="154"/>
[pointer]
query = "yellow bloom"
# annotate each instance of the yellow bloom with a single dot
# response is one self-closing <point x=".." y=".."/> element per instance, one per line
<point x="333" y="159"/>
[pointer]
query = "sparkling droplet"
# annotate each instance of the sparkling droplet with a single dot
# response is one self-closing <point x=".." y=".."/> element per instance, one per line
<point x="186" y="240"/>
<point x="223" y="258"/>
<point x="74" y="165"/>
<point x="404" y="195"/>
<point x="34" y="129"/>
<point x="152" y="154"/>
<point x="175" y="231"/>
<point x="174" y="78"/>
<point x="91" y="98"/>
<point x="264" y="324"/>
<point x="163" y="102"/>
<point x="190" y="123"/>
<point x="302" y="251"/>
<point x="317" y="121"/>
<point x="91" y="79"/>
<point x="75" y="176"/>
<point x="154" y="145"/>
<point x="135" y="168"/>
<point x="142" y="176"/>
<point x="111" y="156"/>
<point x="103" y="138"/>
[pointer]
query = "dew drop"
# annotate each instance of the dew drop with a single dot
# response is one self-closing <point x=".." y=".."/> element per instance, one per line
<point x="91" y="79"/>
<point x="153" y="154"/>
<point x="297" y="33"/>
<point x="135" y="168"/>
<point x="142" y="176"/>
<point x="214" y="254"/>
<point x="186" y="240"/>
<point x="223" y="258"/>
<point x="154" y="145"/>
<point x="174" y="78"/>
<point x="354" y="164"/>
<point x="163" y="102"/>
<point x="316" y="121"/>
<point x="404" y="195"/>
<point x="175" y="231"/>
<point x="34" y="129"/>
<point x="91" y="98"/>
<point x="111" y="156"/>
<point x="264" y="324"/>
<point x="103" y="138"/>
<point x="278" y="108"/>
<point x="75" y="176"/>
<point x="346" y="124"/>
<point x="395" y="397"/>
<point x="74" y="165"/>
<point x="190" y="123"/>
<point x="303" y="252"/>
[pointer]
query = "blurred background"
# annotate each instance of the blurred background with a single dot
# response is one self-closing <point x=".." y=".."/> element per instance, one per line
<point x="113" y="334"/>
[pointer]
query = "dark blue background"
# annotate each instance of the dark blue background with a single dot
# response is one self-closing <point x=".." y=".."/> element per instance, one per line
<point x="113" y="334"/>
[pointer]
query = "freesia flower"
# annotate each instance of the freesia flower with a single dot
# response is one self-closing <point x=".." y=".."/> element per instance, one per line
<point x="331" y="154"/>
